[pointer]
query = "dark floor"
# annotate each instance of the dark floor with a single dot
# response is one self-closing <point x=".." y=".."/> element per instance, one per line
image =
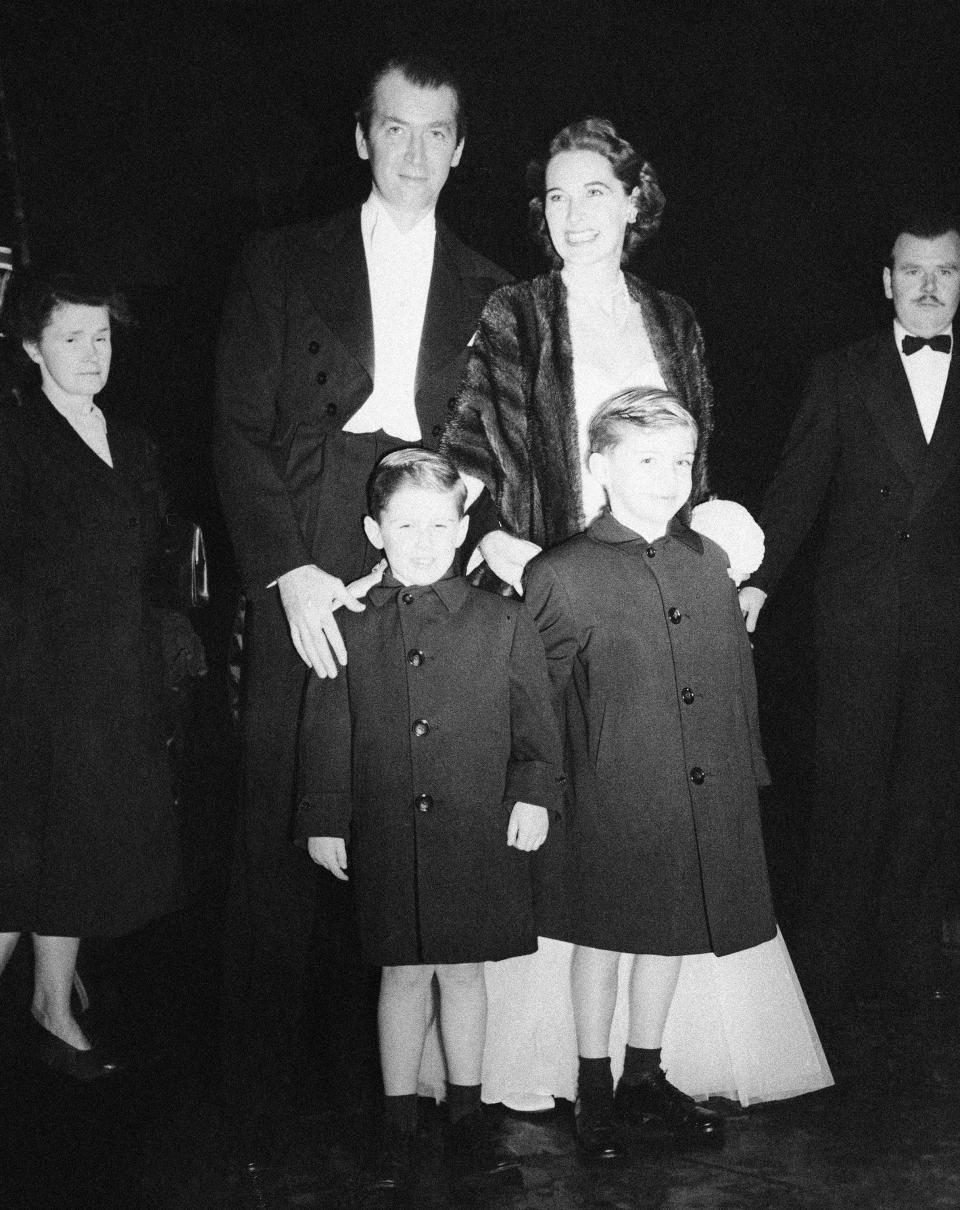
<point x="886" y="1138"/>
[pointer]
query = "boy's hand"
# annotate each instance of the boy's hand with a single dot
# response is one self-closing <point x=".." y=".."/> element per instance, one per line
<point x="331" y="853"/>
<point x="360" y="588"/>
<point x="528" y="826"/>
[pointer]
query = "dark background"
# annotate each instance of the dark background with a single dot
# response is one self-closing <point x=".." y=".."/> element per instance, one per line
<point x="151" y="135"/>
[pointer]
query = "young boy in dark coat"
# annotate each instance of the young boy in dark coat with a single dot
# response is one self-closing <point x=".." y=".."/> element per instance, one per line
<point x="435" y="755"/>
<point x="652" y="672"/>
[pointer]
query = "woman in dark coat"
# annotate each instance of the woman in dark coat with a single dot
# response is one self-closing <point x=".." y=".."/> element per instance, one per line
<point x="88" y="842"/>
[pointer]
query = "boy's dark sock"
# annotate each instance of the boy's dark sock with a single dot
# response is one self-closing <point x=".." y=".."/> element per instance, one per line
<point x="400" y="1116"/>
<point x="595" y="1079"/>
<point x="639" y="1064"/>
<point x="462" y="1099"/>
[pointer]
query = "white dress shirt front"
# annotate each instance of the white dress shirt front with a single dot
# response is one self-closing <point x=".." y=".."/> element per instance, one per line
<point x="399" y="265"/>
<point x="927" y="374"/>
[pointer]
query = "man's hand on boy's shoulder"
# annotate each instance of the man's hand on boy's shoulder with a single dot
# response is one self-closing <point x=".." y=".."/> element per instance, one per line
<point x="331" y="853"/>
<point x="528" y="826"/>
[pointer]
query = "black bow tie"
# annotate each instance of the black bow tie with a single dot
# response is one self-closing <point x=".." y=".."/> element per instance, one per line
<point x="939" y="344"/>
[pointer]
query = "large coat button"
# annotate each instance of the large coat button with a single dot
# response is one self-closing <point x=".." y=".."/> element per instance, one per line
<point x="321" y="378"/>
<point x="331" y="409"/>
<point x="651" y="553"/>
<point x="687" y="695"/>
<point x="314" y="347"/>
<point x="674" y="615"/>
<point x="884" y="492"/>
<point x="421" y="728"/>
<point x="423" y="803"/>
<point x="697" y="775"/>
<point x="407" y="598"/>
<point x="904" y="535"/>
<point x="415" y="658"/>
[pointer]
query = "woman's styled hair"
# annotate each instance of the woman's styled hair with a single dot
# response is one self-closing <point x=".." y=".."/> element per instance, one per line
<point x="43" y="292"/>
<point x="645" y="408"/>
<point x="413" y="468"/>
<point x="600" y="135"/>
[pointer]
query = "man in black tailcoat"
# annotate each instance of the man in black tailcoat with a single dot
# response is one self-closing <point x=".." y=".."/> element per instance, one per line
<point x="340" y="341"/>
<point x="876" y="448"/>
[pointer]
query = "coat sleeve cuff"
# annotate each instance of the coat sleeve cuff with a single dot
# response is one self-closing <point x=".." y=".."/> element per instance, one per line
<point x="323" y="815"/>
<point x="537" y="782"/>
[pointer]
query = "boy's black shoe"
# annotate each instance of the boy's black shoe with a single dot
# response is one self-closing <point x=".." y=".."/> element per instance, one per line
<point x="475" y="1156"/>
<point x="596" y="1137"/>
<point x="654" y="1106"/>
<point x="389" y="1185"/>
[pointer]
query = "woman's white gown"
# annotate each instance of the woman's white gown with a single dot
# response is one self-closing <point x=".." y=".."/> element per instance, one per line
<point x="738" y="1027"/>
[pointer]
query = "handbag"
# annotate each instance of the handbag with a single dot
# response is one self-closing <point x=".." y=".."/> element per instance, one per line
<point x="181" y="579"/>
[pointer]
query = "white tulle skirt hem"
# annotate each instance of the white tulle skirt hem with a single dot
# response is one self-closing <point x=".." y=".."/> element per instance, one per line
<point x="738" y="1027"/>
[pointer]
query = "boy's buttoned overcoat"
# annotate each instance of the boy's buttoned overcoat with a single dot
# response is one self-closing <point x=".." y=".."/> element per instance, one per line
<point x="416" y="751"/>
<point x="653" y="675"/>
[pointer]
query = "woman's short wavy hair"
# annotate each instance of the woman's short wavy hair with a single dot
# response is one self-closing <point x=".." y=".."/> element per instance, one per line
<point x="630" y="169"/>
<point x="42" y="291"/>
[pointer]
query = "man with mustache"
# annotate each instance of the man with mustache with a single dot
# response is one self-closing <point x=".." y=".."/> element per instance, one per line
<point x="875" y="451"/>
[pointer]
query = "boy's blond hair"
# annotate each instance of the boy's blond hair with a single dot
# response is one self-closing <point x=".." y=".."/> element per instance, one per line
<point x="643" y="407"/>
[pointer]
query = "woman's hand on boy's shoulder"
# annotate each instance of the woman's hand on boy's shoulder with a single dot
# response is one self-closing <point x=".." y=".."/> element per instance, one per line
<point x="528" y="826"/>
<point x="331" y="853"/>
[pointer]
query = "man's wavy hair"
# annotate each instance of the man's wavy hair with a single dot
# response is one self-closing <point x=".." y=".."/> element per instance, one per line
<point x="423" y="71"/>
<point x="630" y="169"/>
<point x="643" y="408"/>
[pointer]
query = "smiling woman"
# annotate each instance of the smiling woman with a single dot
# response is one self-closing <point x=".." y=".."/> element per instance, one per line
<point x="549" y="351"/>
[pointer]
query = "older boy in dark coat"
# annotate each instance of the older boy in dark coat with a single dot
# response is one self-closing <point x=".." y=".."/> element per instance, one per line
<point x="652" y="671"/>
<point x="435" y="754"/>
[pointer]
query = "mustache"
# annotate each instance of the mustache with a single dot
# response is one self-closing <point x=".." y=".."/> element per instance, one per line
<point x="929" y="298"/>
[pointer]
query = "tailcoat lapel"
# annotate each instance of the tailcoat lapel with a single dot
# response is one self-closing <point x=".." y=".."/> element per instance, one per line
<point x="340" y="289"/>
<point x="449" y="321"/>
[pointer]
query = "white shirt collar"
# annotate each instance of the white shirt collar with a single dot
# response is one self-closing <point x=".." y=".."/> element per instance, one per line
<point x="899" y="331"/>
<point x="375" y="218"/>
<point x="81" y="409"/>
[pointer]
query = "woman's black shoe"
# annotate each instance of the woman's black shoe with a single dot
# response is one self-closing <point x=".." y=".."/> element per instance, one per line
<point x="654" y="1106"/>
<point x="60" y="1056"/>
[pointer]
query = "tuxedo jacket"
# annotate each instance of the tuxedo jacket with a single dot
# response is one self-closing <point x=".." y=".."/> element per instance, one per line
<point x="889" y="570"/>
<point x="296" y="361"/>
